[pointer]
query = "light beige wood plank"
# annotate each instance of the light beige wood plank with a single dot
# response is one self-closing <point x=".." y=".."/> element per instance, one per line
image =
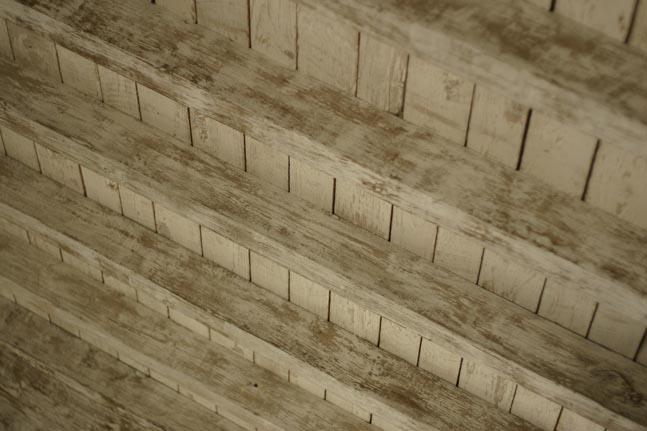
<point x="311" y="184"/>
<point x="82" y="265"/>
<point x="60" y="169"/>
<point x="137" y="207"/>
<point x="570" y="421"/>
<point x="165" y="114"/>
<point x="400" y="341"/>
<point x="308" y="384"/>
<point x="114" y="282"/>
<point x="230" y="18"/>
<point x="225" y="341"/>
<point x="486" y="383"/>
<point x="638" y="36"/>
<point x="269" y="275"/>
<point x="413" y="233"/>
<point x="41" y="242"/>
<point x="350" y="316"/>
<point x="441" y="362"/>
<point x="612" y="18"/>
<point x="382" y="71"/>
<point x="5" y="44"/>
<point x="184" y="9"/>
<point x="618" y="330"/>
<point x="558" y="154"/>
<point x="618" y="183"/>
<point x="458" y="253"/>
<point x="508" y="279"/>
<point x="363" y="209"/>
<point x="14" y="230"/>
<point x="34" y="51"/>
<point x="20" y="148"/>
<point x="188" y="322"/>
<point x="535" y="409"/>
<point x="119" y="92"/>
<point x="225" y="253"/>
<point x="348" y="406"/>
<point x="178" y="228"/>
<point x="274" y="30"/>
<point x="438" y="99"/>
<point x="328" y="50"/>
<point x="272" y="365"/>
<point x="641" y="358"/>
<point x="569" y="307"/>
<point x="101" y="189"/>
<point x="218" y="139"/>
<point x="266" y="163"/>
<point x="309" y="295"/>
<point x="79" y="72"/>
<point x="152" y="302"/>
<point x="497" y="125"/>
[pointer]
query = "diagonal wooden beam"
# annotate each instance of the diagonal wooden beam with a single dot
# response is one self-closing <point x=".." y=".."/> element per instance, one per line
<point x="509" y="213"/>
<point x="373" y="273"/>
<point x="517" y="49"/>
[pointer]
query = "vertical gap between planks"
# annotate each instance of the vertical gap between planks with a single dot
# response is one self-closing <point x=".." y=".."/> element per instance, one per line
<point x="460" y="369"/>
<point x="469" y="116"/>
<point x="359" y="40"/>
<point x="478" y="274"/>
<point x="296" y="37"/>
<point x="514" y="395"/>
<point x="552" y="6"/>
<point x="642" y="343"/>
<point x="58" y="63"/>
<point x="590" y="173"/>
<point x="632" y="20"/>
<point x="595" y="311"/>
<point x="541" y="295"/>
<point x="400" y="113"/>
<point x="139" y="105"/>
<point x="334" y="194"/>
<point x="523" y="139"/>
<point x="249" y="24"/>
<point x="13" y="52"/>
<point x="188" y="113"/>
<point x="391" y="223"/>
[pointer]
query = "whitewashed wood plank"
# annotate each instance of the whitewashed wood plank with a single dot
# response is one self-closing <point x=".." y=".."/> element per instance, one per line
<point x="486" y="383"/>
<point x="5" y="44"/>
<point x="413" y="233"/>
<point x="363" y="209"/>
<point x="20" y="148"/>
<point x="218" y="139"/>
<point x="266" y="163"/>
<point x="567" y="306"/>
<point x="178" y="228"/>
<point x="225" y="253"/>
<point x="618" y="330"/>
<point x="32" y="50"/>
<point x="273" y="30"/>
<point x="401" y="341"/>
<point x="270" y="275"/>
<point x="311" y="184"/>
<point x="165" y="114"/>
<point x="350" y="316"/>
<point x="59" y="168"/>
<point x="137" y="207"/>
<point x="119" y="92"/>
<point x="79" y="73"/>
<point x="459" y="254"/>
<point x="535" y="409"/>
<point x="439" y="361"/>
<point x="309" y="295"/>
<point x="228" y="17"/>
<point x="101" y="189"/>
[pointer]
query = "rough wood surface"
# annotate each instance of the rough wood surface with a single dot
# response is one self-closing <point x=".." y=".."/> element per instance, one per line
<point x="316" y="350"/>
<point x="332" y="253"/>
<point x="522" y="52"/>
<point x="109" y="320"/>
<point x="426" y="175"/>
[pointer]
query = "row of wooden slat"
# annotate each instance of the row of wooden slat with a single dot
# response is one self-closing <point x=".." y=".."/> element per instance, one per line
<point x="336" y="271"/>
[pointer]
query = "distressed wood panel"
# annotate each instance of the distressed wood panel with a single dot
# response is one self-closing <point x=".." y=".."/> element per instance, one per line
<point x="270" y="275"/>
<point x="225" y="253"/>
<point x="41" y="242"/>
<point x="439" y="361"/>
<point x="611" y="18"/>
<point x="184" y="9"/>
<point x="348" y="406"/>
<point x="218" y="139"/>
<point x="177" y="228"/>
<point x="438" y="99"/>
<point x="32" y="50"/>
<point x="390" y="291"/>
<point x="382" y="71"/>
<point x="535" y="409"/>
<point x="137" y="208"/>
<point x="309" y="295"/>
<point x="5" y="44"/>
<point x="230" y="18"/>
<point x="486" y="383"/>
<point x="273" y="30"/>
<point x="79" y="72"/>
<point x="81" y="264"/>
<point x="569" y="421"/>
<point x="311" y="184"/>
<point x="572" y="308"/>
<point x="328" y="50"/>
<point x="400" y="341"/>
<point x="459" y="254"/>
<point x="638" y="35"/>
<point x="358" y="320"/>
<point x="165" y="114"/>
<point x="267" y="164"/>
<point x="101" y="189"/>
<point x="362" y="209"/>
<point x="59" y="168"/>
<point x="413" y="233"/>
<point x="618" y="330"/>
<point x="119" y="92"/>
<point x="20" y="148"/>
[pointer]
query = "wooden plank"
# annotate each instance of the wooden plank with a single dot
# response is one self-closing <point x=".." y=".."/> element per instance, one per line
<point x="78" y="72"/>
<point x="268" y="165"/>
<point x="312" y="185"/>
<point x="506" y="278"/>
<point x="5" y="44"/>
<point x="81" y="264"/>
<point x="618" y="330"/>
<point x="382" y="71"/>
<point x="611" y="18"/>
<point x="20" y="148"/>
<point x="309" y="295"/>
<point x="273" y="30"/>
<point x="184" y="9"/>
<point x="400" y="341"/>
<point x="413" y="233"/>
<point x="119" y="92"/>
<point x="459" y="254"/>
<point x="43" y="243"/>
<point x="535" y="409"/>
<point x="58" y="168"/>
<point x="356" y="205"/>
<point x="101" y="189"/>
<point x="569" y="421"/>
<point x="143" y="335"/>
<point x="270" y="275"/>
<point x="354" y="318"/>
<point x="328" y="50"/>
<point x="638" y="35"/>
<point x="569" y="307"/>
<point x="177" y="228"/>
<point x="412" y="399"/>
<point x="165" y="114"/>
<point x="348" y="406"/>
<point x="137" y="208"/>
<point x="486" y="383"/>
<point x="558" y="154"/>
<point x="225" y="253"/>
<point x="32" y="50"/>
<point x="327" y="252"/>
<point x="217" y="139"/>
<point x="439" y="361"/>
<point x="438" y="99"/>
<point x="443" y="183"/>
<point x="230" y="18"/>
<point x="600" y="91"/>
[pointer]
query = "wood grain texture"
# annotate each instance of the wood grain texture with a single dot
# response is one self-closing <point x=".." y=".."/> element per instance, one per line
<point x="486" y="383"/>
<point x="273" y="30"/>
<point x="438" y="99"/>
<point x="444" y="184"/>
<point x="270" y="275"/>
<point x="382" y="71"/>
<point x="413" y="233"/>
<point x="5" y="43"/>
<point x="59" y="168"/>
<point x="32" y="50"/>
<point x="611" y="18"/>
<point x="266" y="164"/>
<point x="535" y="409"/>
<point x="20" y="148"/>
<point x="137" y="208"/>
<point x="618" y="330"/>
<point x="439" y="361"/>
<point x="309" y="295"/>
<point x="524" y="54"/>
<point x="119" y="92"/>
<point x="165" y="114"/>
<point x="100" y="189"/>
<point x="400" y="341"/>
<point x="638" y="36"/>
<point x="569" y="421"/>
<point x="184" y="9"/>
<point x="144" y="336"/>
<point x="363" y="209"/>
<point x="228" y="17"/>
<point x="312" y="185"/>
<point x="178" y="228"/>
<point x="567" y="306"/>
<point x="419" y="298"/>
<point x="217" y="139"/>
<point x="315" y="351"/>
<point x="79" y="72"/>
<point x="328" y="50"/>
<point x="459" y="254"/>
<point x="353" y="318"/>
<point x="225" y="253"/>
